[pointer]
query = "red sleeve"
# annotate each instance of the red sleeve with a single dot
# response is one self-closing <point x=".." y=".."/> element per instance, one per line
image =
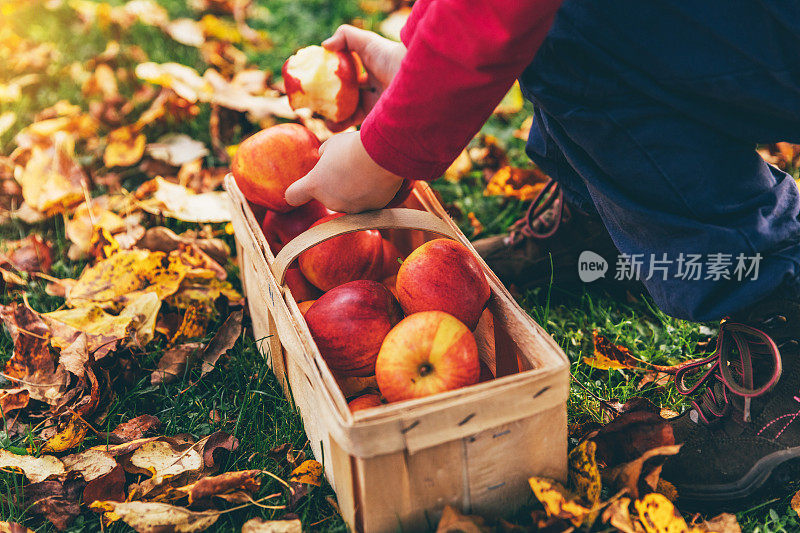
<point x="407" y="33"/>
<point x="462" y="59"/>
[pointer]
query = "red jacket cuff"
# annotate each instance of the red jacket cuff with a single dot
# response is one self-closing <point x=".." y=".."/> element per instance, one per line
<point x="388" y="157"/>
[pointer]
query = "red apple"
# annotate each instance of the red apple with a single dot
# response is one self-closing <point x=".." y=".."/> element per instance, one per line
<point x="324" y="81"/>
<point x="348" y="324"/>
<point x="365" y="401"/>
<point x="390" y="283"/>
<point x="349" y="257"/>
<point x="442" y="275"/>
<point x="259" y="211"/>
<point x="391" y="259"/>
<point x="426" y="353"/>
<point x="269" y="161"/>
<point x="301" y="289"/>
<point x="289" y="225"/>
<point x="305" y="306"/>
<point x="267" y="227"/>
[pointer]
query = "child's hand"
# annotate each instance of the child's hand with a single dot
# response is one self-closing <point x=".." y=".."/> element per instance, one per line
<point x="345" y="178"/>
<point x="381" y="58"/>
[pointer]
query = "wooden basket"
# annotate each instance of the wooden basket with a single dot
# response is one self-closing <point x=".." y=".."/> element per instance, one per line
<point x="395" y="467"/>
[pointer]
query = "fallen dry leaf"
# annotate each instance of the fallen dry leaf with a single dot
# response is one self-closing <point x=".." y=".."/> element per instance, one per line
<point x="658" y="515"/>
<point x="201" y="289"/>
<point x="584" y="474"/>
<point x="53" y="180"/>
<point x="162" y="458"/>
<point x="223" y="340"/>
<point x="153" y="517"/>
<point x="69" y="436"/>
<point x="521" y="183"/>
<point x="33" y="368"/>
<point x="102" y="330"/>
<point x="259" y="525"/>
<point x="204" y="488"/>
<point x="161" y="239"/>
<point x="13" y="527"/>
<point x="608" y="355"/>
<point x="724" y="523"/>
<point x="31" y="254"/>
<point x="452" y="521"/>
<point x="13" y="400"/>
<point x="174" y="362"/>
<point x="90" y="464"/>
<point x="56" y="500"/>
<point x="125" y="276"/>
<point x="642" y="474"/>
<point x="109" y="486"/>
<point x="143" y="311"/>
<point x="125" y="147"/>
<point x="512" y="102"/>
<point x="186" y="31"/>
<point x="80" y="226"/>
<point x="133" y="429"/>
<point x="558" y="503"/>
<point x="629" y="436"/>
<point x="459" y="168"/>
<point x="176" y="201"/>
<point x="216" y="448"/>
<point x="176" y="149"/>
<point x="35" y="468"/>
<point x="618" y="515"/>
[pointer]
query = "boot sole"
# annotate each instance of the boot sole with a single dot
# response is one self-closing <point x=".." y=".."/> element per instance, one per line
<point x="770" y="473"/>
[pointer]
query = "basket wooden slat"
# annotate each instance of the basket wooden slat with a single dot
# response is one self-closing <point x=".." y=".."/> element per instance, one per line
<point x="396" y="466"/>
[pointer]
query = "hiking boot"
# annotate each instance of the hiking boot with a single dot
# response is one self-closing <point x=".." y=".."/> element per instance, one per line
<point x="744" y="430"/>
<point x="546" y="243"/>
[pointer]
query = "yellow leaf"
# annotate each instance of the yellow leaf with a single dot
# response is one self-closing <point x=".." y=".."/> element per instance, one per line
<point x="512" y="102"/>
<point x="584" y="475"/>
<point x="53" y="179"/>
<point x="36" y="469"/>
<point x="185" y="81"/>
<point x="13" y="527"/>
<point x="192" y="326"/>
<point x="125" y="147"/>
<point x="202" y="288"/>
<point x="79" y="228"/>
<point x="513" y="182"/>
<point x="149" y="517"/>
<point x="103" y="245"/>
<point x="558" y="502"/>
<point x="144" y="311"/>
<point x="220" y="29"/>
<point x="309" y="472"/>
<point x="125" y="276"/>
<point x="101" y="329"/>
<point x="70" y="436"/>
<point x="658" y="515"/>
<point x="459" y="168"/>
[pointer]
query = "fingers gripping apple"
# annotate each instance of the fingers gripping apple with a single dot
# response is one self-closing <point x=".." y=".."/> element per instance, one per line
<point x="324" y="81"/>
<point x="424" y="354"/>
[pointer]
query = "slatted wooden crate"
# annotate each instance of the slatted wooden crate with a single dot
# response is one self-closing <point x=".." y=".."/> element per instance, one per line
<point x="395" y="467"/>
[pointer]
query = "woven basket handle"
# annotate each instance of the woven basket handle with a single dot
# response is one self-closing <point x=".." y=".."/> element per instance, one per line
<point x="398" y="218"/>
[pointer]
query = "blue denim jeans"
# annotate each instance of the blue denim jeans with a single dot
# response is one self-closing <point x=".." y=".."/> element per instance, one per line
<point x="650" y="112"/>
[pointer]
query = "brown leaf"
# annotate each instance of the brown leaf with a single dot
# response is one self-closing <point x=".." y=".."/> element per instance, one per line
<point x="223" y="341"/>
<point x="124" y="448"/>
<point x="133" y="429"/>
<point x="642" y="474"/>
<point x="33" y="368"/>
<point x="59" y="511"/>
<point x="259" y="525"/>
<point x="31" y="254"/>
<point x="452" y="521"/>
<point x="13" y="527"/>
<point x="18" y="317"/>
<point x="608" y="355"/>
<point x="161" y="239"/>
<point x="109" y="486"/>
<point x="153" y="517"/>
<point x="629" y="436"/>
<point x="217" y="447"/>
<point x="13" y="400"/>
<point x="174" y="362"/>
<point x="75" y="355"/>
<point x="207" y="487"/>
<point x="724" y="523"/>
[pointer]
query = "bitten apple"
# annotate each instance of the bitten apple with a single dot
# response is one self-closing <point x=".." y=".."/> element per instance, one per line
<point x="442" y="275"/>
<point x="349" y="322"/>
<point x="324" y="81"/>
<point x="349" y="257"/>
<point x="365" y="401"/>
<point x="301" y="289"/>
<point x="268" y="162"/>
<point x="424" y="354"/>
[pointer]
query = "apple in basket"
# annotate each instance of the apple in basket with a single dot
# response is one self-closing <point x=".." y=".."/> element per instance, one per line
<point x="365" y="401"/>
<point x="391" y="259"/>
<point x="345" y="258"/>
<point x="443" y="275"/>
<point x="289" y="225"/>
<point x="301" y="289"/>
<point x="268" y="162"/>
<point x="426" y="353"/>
<point x="349" y="322"/>
<point x="324" y="81"/>
<point x="305" y="306"/>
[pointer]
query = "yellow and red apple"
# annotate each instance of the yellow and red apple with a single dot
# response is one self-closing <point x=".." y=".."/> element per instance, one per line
<point x="324" y="81"/>
<point x="305" y="306"/>
<point x="426" y="353"/>
<point x="345" y="258"/>
<point x="349" y="323"/>
<point x="442" y="275"/>
<point x="268" y="162"/>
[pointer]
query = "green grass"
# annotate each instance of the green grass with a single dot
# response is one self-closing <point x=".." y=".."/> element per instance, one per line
<point x="243" y="392"/>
